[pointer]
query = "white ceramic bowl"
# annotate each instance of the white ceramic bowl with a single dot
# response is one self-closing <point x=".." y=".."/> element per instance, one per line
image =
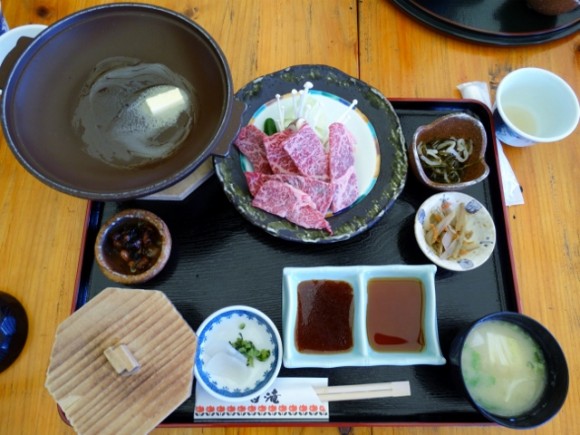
<point x="221" y="370"/>
<point x="479" y="222"/>
<point x="362" y="353"/>
<point x="9" y="39"/>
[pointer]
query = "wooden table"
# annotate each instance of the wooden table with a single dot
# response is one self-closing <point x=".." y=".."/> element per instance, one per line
<point x="41" y="230"/>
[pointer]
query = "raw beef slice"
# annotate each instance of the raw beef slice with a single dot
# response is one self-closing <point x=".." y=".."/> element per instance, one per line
<point x="250" y="142"/>
<point x="321" y="192"/>
<point x="346" y="191"/>
<point x="279" y="160"/>
<point x="307" y="152"/>
<point x="289" y="203"/>
<point x="341" y="160"/>
<point x="341" y="149"/>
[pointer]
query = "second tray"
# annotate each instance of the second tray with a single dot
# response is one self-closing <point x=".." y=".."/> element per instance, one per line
<point x="496" y="22"/>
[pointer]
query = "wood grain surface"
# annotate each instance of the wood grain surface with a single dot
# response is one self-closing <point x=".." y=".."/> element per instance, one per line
<point x="141" y="327"/>
<point x="41" y="230"/>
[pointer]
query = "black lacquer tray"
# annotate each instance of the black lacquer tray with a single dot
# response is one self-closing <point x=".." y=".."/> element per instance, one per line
<point x="221" y="259"/>
<point x="496" y="22"/>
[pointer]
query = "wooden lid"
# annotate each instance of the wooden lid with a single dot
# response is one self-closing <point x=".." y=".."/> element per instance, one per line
<point x="122" y="363"/>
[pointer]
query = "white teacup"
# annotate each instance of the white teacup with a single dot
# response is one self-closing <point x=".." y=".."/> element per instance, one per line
<point x="533" y="105"/>
<point x="9" y="39"/>
<point x="8" y="42"/>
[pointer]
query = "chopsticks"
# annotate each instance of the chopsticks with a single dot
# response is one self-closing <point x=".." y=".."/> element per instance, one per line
<point x="363" y="391"/>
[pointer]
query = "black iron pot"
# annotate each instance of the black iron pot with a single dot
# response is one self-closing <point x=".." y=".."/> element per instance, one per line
<point x="43" y="88"/>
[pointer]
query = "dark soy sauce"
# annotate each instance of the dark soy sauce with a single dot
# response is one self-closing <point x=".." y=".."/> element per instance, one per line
<point x="325" y="316"/>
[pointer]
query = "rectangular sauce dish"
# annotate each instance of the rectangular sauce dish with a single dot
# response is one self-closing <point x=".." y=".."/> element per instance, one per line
<point x="307" y="313"/>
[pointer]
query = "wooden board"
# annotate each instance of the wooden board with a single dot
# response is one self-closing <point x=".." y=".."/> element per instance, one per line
<point x="94" y="397"/>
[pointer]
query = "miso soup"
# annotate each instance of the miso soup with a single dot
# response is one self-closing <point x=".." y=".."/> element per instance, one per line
<point x="504" y="368"/>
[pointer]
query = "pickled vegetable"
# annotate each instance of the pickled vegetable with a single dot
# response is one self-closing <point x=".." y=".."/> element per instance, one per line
<point x="445" y="160"/>
<point x="135" y="246"/>
<point x="447" y="232"/>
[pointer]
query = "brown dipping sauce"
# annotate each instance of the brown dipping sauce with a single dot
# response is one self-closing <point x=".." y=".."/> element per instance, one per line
<point x="395" y="315"/>
<point x="325" y="316"/>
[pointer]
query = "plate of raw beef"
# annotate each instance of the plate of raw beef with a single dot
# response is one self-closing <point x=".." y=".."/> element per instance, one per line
<point x="320" y="157"/>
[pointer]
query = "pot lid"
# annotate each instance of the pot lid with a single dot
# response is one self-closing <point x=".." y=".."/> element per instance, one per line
<point x="122" y="363"/>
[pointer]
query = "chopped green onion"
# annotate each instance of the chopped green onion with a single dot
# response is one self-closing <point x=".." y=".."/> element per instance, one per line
<point x="249" y="350"/>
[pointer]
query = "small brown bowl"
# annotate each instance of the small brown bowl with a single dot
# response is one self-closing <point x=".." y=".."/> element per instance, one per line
<point x="455" y="125"/>
<point x="133" y="246"/>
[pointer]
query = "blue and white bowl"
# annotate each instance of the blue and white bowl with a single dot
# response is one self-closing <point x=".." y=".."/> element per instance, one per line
<point x="221" y="370"/>
<point x="479" y="222"/>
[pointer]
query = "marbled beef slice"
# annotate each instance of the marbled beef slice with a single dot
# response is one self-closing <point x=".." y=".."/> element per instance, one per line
<point x="321" y="192"/>
<point x="346" y="191"/>
<point x="289" y="203"/>
<point x="250" y="142"/>
<point x="307" y="152"/>
<point x="279" y="160"/>
<point x="342" y="171"/>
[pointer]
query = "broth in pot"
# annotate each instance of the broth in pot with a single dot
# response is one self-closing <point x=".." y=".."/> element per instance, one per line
<point x="132" y="113"/>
